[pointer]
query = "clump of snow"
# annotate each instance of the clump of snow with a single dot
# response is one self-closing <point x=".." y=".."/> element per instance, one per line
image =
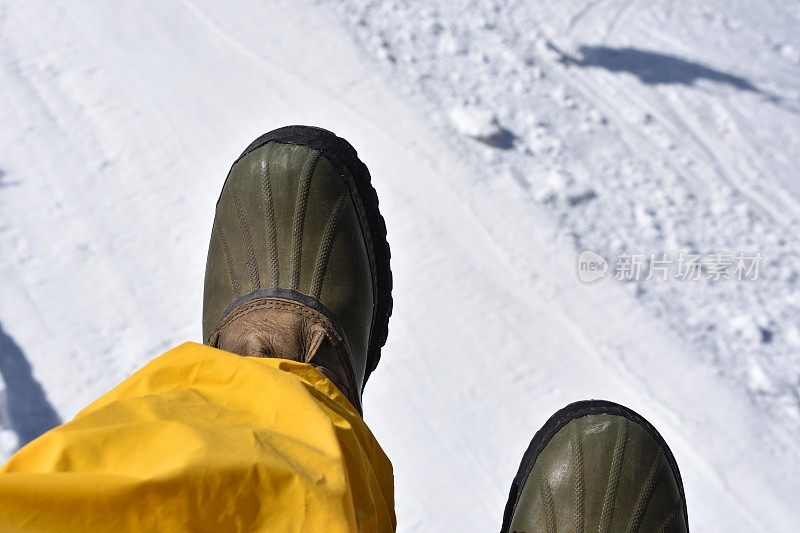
<point x="746" y="328"/>
<point x="473" y="121"/>
<point x="792" y="335"/>
<point x="550" y="185"/>
<point x="541" y="141"/>
<point x="758" y="380"/>
<point x="480" y="124"/>
<point x="563" y="98"/>
<point x="790" y="52"/>
<point x="452" y="44"/>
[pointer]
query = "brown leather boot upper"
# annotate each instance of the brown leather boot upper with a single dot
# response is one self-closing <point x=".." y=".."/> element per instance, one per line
<point x="288" y="329"/>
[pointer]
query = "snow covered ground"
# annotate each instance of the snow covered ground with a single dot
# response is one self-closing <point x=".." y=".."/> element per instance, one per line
<point x="503" y="139"/>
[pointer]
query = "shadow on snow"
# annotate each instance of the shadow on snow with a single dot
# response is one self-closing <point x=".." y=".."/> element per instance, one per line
<point x="28" y="409"/>
<point x="654" y="68"/>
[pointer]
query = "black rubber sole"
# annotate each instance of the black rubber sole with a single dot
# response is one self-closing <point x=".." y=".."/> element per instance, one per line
<point x="343" y="156"/>
<point x="560" y="419"/>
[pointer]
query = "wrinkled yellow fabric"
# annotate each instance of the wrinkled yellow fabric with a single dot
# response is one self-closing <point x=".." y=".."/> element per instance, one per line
<point x="205" y="440"/>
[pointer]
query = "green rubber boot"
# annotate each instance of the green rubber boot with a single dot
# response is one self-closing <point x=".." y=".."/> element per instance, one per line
<point x="298" y="263"/>
<point x="597" y="466"/>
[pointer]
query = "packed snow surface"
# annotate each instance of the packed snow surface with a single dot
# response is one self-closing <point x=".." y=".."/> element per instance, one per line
<point x="504" y="139"/>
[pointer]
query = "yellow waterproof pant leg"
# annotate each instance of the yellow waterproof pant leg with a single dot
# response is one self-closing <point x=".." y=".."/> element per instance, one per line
<point x="205" y="440"/>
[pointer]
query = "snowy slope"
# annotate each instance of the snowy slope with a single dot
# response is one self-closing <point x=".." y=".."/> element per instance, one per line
<point x="121" y="122"/>
<point x="644" y="128"/>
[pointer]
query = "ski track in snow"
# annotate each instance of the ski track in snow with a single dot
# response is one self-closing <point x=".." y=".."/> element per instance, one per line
<point x="124" y="120"/>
